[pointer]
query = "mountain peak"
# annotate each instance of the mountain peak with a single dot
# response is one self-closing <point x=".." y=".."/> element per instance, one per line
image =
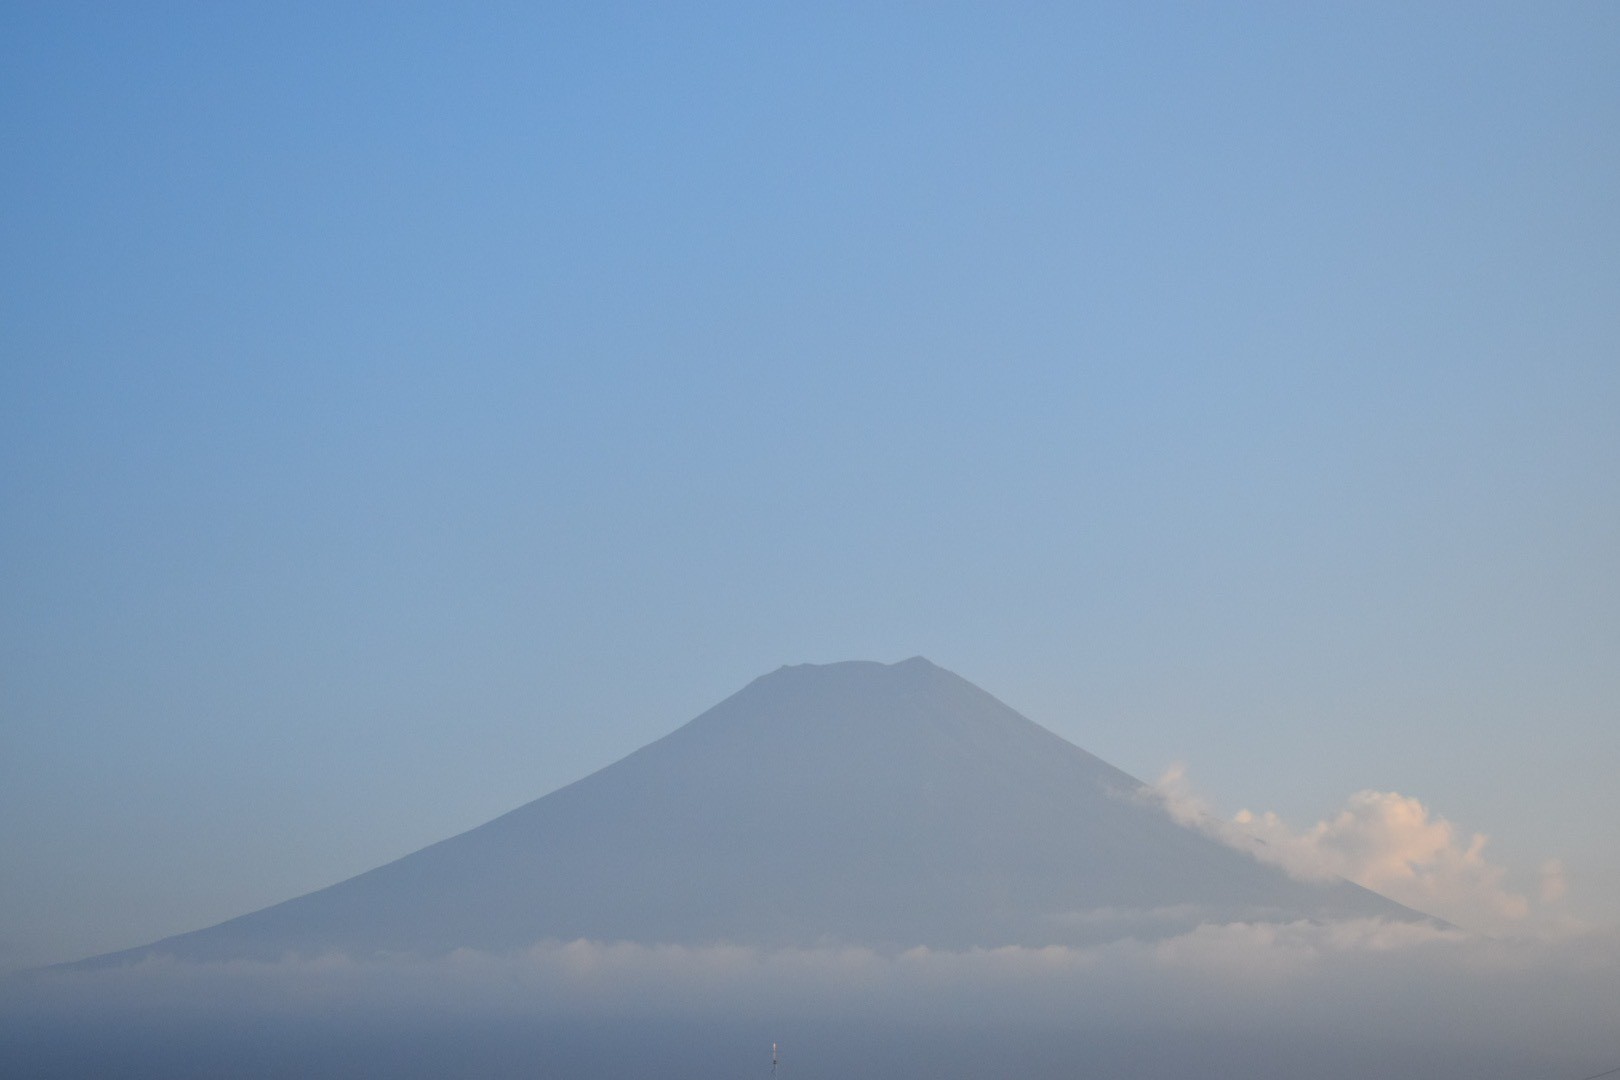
<point x="913" y="666"/>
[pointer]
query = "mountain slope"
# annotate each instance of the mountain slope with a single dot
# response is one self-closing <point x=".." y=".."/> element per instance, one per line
<point x="890" y="805"/>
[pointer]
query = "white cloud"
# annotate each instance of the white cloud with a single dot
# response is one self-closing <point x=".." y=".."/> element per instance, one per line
<point x="1383" y="840"/>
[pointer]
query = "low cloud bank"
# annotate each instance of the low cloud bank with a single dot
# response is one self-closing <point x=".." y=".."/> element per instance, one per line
<point x="1369" y="988"/>
<point x="1388" y="842"/>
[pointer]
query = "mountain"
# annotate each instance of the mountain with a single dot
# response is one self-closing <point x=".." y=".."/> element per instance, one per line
<point x="887" y="805"/>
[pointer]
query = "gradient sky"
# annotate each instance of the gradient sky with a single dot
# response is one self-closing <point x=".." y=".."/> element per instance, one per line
<point x="405" y="410"/>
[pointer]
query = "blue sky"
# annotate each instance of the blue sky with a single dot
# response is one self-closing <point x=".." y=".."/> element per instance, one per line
<point x="405" y="411"/>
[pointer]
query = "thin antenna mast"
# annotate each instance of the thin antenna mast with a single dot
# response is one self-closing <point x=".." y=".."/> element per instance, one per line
<point x="773" y="1061"/>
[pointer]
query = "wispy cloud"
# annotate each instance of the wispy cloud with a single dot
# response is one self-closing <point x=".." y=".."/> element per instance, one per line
<point x="1261" y="1000"/>
<point x="1363" y="979"/>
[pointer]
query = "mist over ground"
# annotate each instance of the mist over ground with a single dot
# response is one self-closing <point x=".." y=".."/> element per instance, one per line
<point x="1351" y="999"/>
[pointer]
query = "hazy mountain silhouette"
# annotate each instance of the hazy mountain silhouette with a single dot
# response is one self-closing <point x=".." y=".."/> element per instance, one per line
<point x="889" y="805"/>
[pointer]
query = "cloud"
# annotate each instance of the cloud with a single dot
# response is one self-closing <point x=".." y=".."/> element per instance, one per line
<point x="1362" y="991"/>
<point x="1272" y="960"/>
<point x="1553" y="884"/>
<point x="1383" y="840"/>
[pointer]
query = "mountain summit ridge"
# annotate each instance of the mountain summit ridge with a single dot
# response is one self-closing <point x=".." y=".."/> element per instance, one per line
<point x="887" y="805"/>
